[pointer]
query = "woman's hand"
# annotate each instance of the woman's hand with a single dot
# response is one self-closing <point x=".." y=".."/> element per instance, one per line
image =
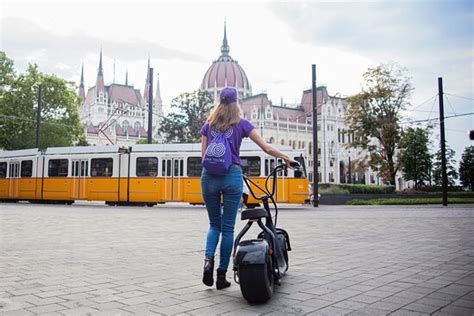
<point x="289" y="162"/>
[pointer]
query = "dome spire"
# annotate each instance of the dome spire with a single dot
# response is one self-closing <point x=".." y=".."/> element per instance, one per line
<point x="225" y="47"/>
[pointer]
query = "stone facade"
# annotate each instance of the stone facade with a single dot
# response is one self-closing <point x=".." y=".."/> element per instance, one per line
<point x="117" y="114"/>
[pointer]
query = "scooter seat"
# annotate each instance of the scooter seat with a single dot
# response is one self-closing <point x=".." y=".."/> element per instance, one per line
<point x="253" y="214"/>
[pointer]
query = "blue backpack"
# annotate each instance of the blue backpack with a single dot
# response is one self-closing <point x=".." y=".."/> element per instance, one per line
<point x="218" y="157"/>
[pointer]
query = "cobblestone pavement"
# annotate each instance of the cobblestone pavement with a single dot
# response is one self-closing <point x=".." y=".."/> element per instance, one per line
<point x="93" y="259"/>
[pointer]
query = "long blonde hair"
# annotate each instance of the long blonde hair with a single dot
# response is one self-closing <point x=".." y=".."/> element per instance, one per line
<point x="224" y="116"/>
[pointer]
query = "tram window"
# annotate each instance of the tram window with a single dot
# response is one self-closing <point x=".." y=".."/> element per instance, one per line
<point x="301" y="172"/>
<point x="147" y="167"/>
<point x="102" y="167"/>
<point x="3" y="169"/>
<point x="166" y="170"/>
<point x="250" y="166"/>
<point x="57" y="168"/>
<point x="194" y="167"/>
<point x="26" y="168"/>
<point x="178" y="168"/>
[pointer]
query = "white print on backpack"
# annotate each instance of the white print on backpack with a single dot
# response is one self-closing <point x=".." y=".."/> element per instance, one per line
<point x="215" y="150"/>
<point x="228" y="133"/>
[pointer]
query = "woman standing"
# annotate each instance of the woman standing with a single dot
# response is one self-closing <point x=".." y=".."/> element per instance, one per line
<point x="225" y="119"/>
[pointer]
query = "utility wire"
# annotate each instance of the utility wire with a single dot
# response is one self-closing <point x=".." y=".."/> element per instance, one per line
<point x="449" y="102"/>
<point x="458" y="96"/>
<point x="437" y="118"/>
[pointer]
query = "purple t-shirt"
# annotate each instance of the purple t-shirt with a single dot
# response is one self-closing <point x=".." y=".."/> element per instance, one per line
<point x="234" y="136"/>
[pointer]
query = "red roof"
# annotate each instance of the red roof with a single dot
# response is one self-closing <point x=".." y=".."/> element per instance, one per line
<point x="124" y="94"/>
<point x="225" y="72"/>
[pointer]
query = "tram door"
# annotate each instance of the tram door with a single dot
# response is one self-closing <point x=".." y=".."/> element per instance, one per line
<point x="282" y="182"/>
<point x="79" y="173"/>
<point x="172" y="170"/>
<point x="14" y="175"/>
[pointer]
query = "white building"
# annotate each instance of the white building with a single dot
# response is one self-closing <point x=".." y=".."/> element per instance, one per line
<point x="117" y="114"/>
<point x="292" y="124"/>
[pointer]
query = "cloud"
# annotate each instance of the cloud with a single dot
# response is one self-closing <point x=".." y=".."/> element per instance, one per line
<point x="28" y="41"/>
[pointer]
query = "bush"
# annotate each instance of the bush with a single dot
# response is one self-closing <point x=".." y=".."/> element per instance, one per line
<point x="435" y="188"/>
<point x="409" y="201"/>
<point x="355" y="188"/>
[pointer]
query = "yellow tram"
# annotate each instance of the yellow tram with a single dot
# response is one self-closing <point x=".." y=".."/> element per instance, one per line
<point x="140" y="174"/>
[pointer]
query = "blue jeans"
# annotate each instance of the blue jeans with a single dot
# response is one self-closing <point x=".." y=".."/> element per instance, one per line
<point x="221" y="220"/>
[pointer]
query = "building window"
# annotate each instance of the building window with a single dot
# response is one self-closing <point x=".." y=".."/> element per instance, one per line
<point x="26" y="168"/>
<point x="339" y="135"/>
<point x="137" y="126"/>
<point x="272" y="140"/>
<point x="310" y="148"/>
<point x="194" y="167"/>
<point x="343" y="138"/>
<point x="302" y="145"/>
<point x="58" y="168"/>
<point x="331" y="177"/>
<point x="331" y="163"/>
<point x="269" y="114"/>
<point x="125" y="125"/>
<point x="3" y="169"/>
<point x="282" y="141"/>
<point x="147" y="167"/>
<point x="102" y="167"/>
<point x="250" y="166"/>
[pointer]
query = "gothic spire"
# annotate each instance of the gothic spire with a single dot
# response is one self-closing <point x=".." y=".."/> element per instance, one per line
<point x="100" y="87"/>
<point x="100" y="71"/>
<point x="225" y="47"/>
<point x="147" y="82"/>
<point x="81" y="85"/>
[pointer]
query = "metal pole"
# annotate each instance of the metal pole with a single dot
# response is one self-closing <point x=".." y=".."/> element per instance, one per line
<point x="150" y="106"/>
<point x="350" y="170"/>
<point x="315" y="139"/>
<point x="443" y="142"/>
<point x="38" y="116"/>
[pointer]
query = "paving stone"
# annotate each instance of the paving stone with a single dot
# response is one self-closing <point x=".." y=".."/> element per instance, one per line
<point x="79" y="311"/>
<point x="46" y="308"/>
<point x="331" y="310"/>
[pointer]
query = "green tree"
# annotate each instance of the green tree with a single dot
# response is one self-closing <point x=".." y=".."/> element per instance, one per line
<point x="415" y="157"/>
<point x="466" y="168"/>
<point x="190" y="112"/>
<point x="60" y="124"/>
<point x="374" y="116"/>
<point x="450" y="167"/>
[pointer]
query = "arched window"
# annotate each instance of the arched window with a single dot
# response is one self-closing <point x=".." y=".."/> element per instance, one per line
<point x="272" y="140"/>
<point x="137" y="126"/>
<point x="125" y="125"/>
<point x="282" y="141"/>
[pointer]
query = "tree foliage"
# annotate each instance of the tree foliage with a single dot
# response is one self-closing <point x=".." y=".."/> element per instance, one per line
<point x="415" y="157"/>
<point x="466" y="168"/>
<point x="60" y="124"/>
<point x="190" y="112"/>
<point x="451" y="172"/>
<point x="374" y="116"/>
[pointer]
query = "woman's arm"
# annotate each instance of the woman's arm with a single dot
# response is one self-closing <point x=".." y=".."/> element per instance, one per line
<point x="203" y="146"/>
<point x="269" y="149"/>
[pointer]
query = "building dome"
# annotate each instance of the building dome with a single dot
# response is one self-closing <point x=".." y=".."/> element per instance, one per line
<point x="226" y="72"/>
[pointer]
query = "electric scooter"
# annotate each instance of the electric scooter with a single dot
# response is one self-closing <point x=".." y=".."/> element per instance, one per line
<point x="261" y="263"/>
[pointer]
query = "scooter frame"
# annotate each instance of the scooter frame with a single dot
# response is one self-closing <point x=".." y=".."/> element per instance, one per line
<point x="272" y="240"/>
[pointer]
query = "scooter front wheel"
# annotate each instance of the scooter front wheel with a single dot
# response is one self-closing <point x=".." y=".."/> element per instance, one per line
<point x="256" y="282"/>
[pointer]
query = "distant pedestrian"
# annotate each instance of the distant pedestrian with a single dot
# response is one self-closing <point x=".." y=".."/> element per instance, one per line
<point x="222" y="178"/>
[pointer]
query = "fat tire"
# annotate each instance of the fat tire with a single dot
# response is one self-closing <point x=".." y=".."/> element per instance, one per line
<point x="256" y="282"/>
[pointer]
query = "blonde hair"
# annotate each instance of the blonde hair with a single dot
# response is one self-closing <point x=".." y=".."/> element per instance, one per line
<point x="224" y="116"/>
